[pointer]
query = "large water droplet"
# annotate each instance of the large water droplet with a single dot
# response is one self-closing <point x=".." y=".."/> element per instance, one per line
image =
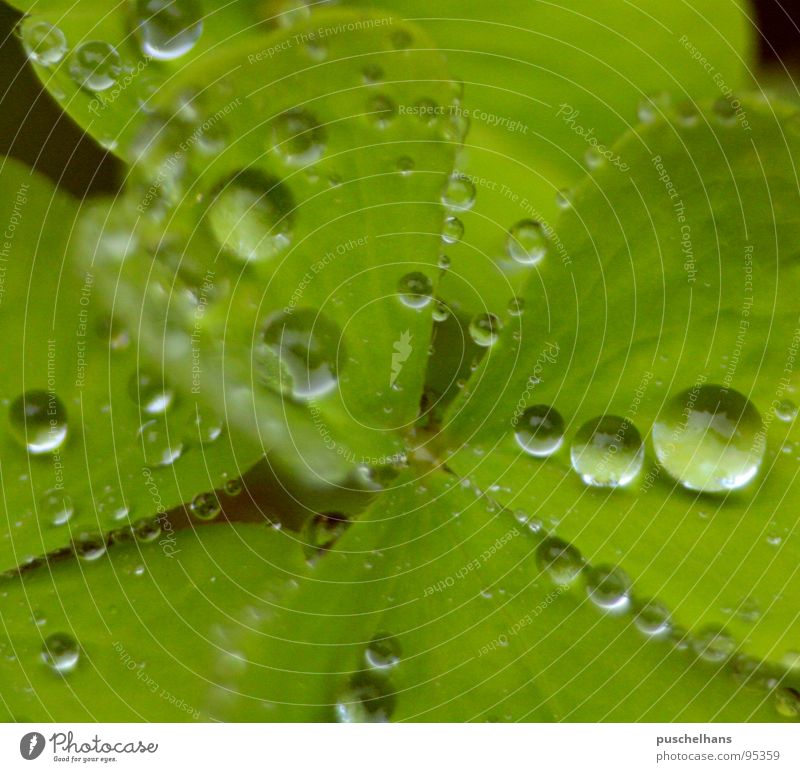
<point x="297" y="137"/>
<point x="168" y="29"/>
<point x="43" y="43"/>
<point x="250" y="216"/>
<point x="301" y="351"/>
<point x="607" y="452"/>
<point x="415" y="289"/>
<point x="710" y="439"/>
<point x="60" y="653"/>
<point x="527" y="242"/>
<point x="540" y="430"/>
<point x="38" y="421"/>
<point x="95" y="65"/>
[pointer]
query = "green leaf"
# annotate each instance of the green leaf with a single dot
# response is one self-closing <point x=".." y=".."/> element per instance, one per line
<point x="314" y="215"/>
<point x="136" y="634"/>
<point x="94" y="452"/>
<point x="432" y="607"/>
<point x="681" y="274"/>
<point x="545" y="82"/>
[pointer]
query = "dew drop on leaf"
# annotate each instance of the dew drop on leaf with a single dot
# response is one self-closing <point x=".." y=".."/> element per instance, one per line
<point x="147" y="530"/>
<point x="149" y="391"/>
<point x="380" y="110"/>
<point x="38" y="421"/>
<point x="453" y="230"/>
<point x="300" y="354"/>
<point x="168" y="29"/>
<point x="713" y="644"/>
<point x="44" y="43"/>
<point x="415" y="289"/>
<point x="607" y="452"/>
<point x="561" y="561"/>
<point x="205" y="506"/>
<point x="60" y="653"/>
<point x="484" y="329"/>
<point x="95" y="65"/>
<point x="540" y="430"/>
<point x="526" y="242"/>
<point x="382" y="653"/>
<point x="297" y="137"/>
<point x="710" y="438"/>
<point x="160" y="447"/>
<point x="322" y="531"/>
<point x="652" y="617"/>
<point x="250" y="216"/>
<point x="786" y="410"/>
<point x="366" y="700"/>
<point x="56" y="507"/>
<point x="608" y="587"/>
<point x="458" y="193"/>
<point x="90" y="546"/>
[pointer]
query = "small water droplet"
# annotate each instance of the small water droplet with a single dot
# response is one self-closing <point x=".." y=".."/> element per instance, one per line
<point x="205" y="506"/>
<point x="415" y="290"/>
<point x="561" y="561"/>
<point x="160" y="448"/>
<point x="233" y="487"/>
<point x="652" y="618"/>
<point x="713" y="644"/>
<point x="710" y="439"/>
<point x="297" y="137"/>
<point x="38" y="421"/>
<point x="724" y="111"/>
<point x="786" y="410"/>
<point x="56" y="507"/>
<point x="484" y="329"/>
<point x="147" y="530"/>
<point x="405" y="165"/>
<point x="516" y="306"/>
<point x="383" y="652"/>
<point x="441" y="311"/>
<point x="608" y="587"/>
<point x="60" y="653"/>
<point x="540" y="430"/>
<point x="453" y="230"/>
<point x="322" y="531"/>
<point x="526" y="242"/>
<point x="95" y="65"/>
<point x="372" y="73"/>
<point x="150" y="392"/>
<point x="607" y="452"/>
<point x="458" y="193"/>
<point x="380" y="110"/>
<point x="44" y="43"/>
<point x="168" y="29"/>
<point x="90" y="546"/>
<point x="366" y="700"/>
<point x="564" y="198"/>
<point x="653" y="106"/>
<point x="787" y="702"/>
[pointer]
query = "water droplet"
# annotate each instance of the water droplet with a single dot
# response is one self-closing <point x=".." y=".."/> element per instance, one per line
<point x="653" y="106"/>
<point x="160" y="449"/>
<point x="787" y="702"/>
<point x="441" y="312"/>
<point x="526" y="242"/>
<point x="652" y="618"/>
<point x="366" y="700"/>
<point x="687" y="114"/>
<point x="110" y="505"/>
<point x="250" y="216"/>
<point x="383" y="652"/>
<point x="95" y="65"/>
<point x="300" y="355"/>
<point x="444" y="262"/>
<point x="453" y="230"/>
<point x="516" y="306"/>
<point x="380" y="110"/>
<point x="594" y="158"/>
<point x="561" y="561"/>
<point x="607" y="452"/>
<point x="168" y="29"/>
<point x="405" y="165"/>
<point x="56" y="507"/>
<point x="205" y="506"/>
<point x="322" y="531"/>
<point x="297" y="137"/>
<point x="38" y="421"/>
<point x="43" y="43"/>
<point x="90" y="546"/>
<point x="147" y="530"/>
<point x="401" y="39"/>
<point x="710" y="439"/>
<point x="150" y="392"/>
<point x="786" y="410"/>
<point x="372" y="73"/>
<point x="608" y="587"/>
<point x="540" y="430"/>
<point x="60" y="653"/>
<point x="724" y="112"/>
<point x="458" y="193"/>
<point x="714" y="645"/>
<point x="415" y="290"/>
<point x="564" y="198"/>
<point x="484" y="329"/>
<point x="233" y="487"/>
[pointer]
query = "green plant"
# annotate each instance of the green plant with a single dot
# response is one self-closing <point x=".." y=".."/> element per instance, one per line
<point x="305" y="423"/>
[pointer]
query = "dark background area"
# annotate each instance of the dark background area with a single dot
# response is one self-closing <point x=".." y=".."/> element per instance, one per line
<point x="55" y="146"/>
